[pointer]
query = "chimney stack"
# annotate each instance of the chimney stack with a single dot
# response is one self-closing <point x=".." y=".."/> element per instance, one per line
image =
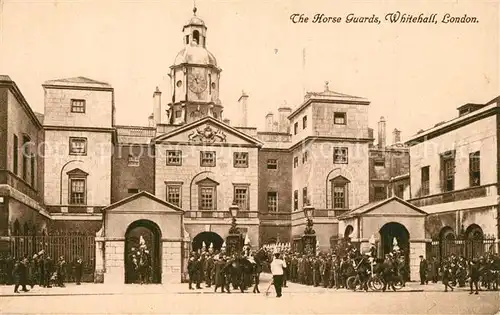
<point x="381" y="133"/>
<point x="269" y="122"/>
<point x="243" y="101"/>
<point x="157" y="106"/>
<point x="396" y="136"/>
<point x="151" y="121"/>
<point x="283" y="122"/>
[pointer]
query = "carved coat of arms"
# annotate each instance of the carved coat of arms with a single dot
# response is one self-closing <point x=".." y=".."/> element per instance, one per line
<point x="207" y="135"/>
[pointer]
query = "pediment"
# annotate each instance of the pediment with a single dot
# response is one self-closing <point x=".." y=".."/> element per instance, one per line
<point x="207" y="182"/>
<point x="208" y="131"/>
<point x="76" y="172"/>
<point x="395" y="207"/>
<point x="142" y="202"/>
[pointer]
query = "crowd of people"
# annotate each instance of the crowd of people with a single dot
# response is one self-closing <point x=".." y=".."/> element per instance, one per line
<point x="454" y="271"/>
<point x="40" y="269"/>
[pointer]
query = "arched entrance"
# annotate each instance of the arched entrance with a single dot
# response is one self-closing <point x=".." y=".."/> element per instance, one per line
<point x="207" y="238"/>
<point x="348" y="231"/>
<point x="151" y="235"/>
<point x="391" y="231"/>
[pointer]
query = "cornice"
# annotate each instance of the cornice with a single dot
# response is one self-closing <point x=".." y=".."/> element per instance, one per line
<point x="72" y="87"/>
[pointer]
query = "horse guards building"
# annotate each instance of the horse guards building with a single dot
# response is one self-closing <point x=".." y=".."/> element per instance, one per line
<point x="72" y="173"/>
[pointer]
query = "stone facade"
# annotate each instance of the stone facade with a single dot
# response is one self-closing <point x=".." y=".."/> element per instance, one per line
<point x="467" y="196"/>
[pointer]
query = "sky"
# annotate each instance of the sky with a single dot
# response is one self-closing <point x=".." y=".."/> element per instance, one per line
<point x="415" y="75"/>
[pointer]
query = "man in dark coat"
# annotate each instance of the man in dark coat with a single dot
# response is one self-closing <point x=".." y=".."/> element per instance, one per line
<point x="78" y="270"/>
<point x="423" y="270"/>
<point x="191" y="270"/>
<point x="219" y="278"/>
<point x="20" y="275"/>
<point x="474" y="276"/>
<point x="209" y="267"/>
<point x="48" y="266"/>
<point x="61" y="272"/>
<point x="446" y="271"/>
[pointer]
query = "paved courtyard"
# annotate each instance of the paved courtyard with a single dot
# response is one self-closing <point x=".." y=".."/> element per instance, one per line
<point x="297" y="299"/>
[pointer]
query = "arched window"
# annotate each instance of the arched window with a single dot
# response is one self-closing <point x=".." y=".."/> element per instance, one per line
<point x="196" y="37"/>
<point x="447" y="233"/>
<point x="474" y="232"/>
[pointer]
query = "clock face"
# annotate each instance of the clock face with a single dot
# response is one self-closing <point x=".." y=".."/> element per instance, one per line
<point x="197" y="80"/>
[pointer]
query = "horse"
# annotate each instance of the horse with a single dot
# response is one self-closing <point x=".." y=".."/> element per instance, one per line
<point x="238" y="269"/>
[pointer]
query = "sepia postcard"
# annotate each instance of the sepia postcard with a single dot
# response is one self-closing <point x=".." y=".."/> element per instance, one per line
<point x="249" y="157"/>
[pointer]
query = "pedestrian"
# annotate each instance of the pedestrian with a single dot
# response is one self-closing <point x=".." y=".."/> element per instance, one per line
<point x="78" y="270"/>
<point x="277" y="269"/>
<point x="423" y="270"/>
<point x="474" y="276"/>
<point x="61" y="272"/>
<point x="20" y="274"/>
<point x="446" y="275"/>
<point x="191" y="270"/>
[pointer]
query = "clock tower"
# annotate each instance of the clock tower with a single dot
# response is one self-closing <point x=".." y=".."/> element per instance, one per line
<point x="194" y="78"/>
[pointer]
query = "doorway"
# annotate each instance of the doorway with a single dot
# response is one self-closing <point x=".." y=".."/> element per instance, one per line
<point x="142" y="239"/>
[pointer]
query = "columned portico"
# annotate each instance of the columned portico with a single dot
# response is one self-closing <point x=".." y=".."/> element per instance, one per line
<point x="141" y="222"/>
<point x="387" y="221"/>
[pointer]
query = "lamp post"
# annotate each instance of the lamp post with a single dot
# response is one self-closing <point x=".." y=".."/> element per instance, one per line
<point x="309" y="237"/>
<point x="60" y="178"/>
<point x="234" y="239"/>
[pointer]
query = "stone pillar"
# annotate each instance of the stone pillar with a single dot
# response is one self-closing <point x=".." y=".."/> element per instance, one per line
<point x="417" y="248"/>
<point x="99" y="260"/>
<point x="114" y="262"/>
<point x="171" y="264"/>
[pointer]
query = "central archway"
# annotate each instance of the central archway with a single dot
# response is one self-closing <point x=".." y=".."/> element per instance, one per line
<point x="396" y="230"/>
<point x="208" y="238"/>
<point x="151" y="234"/>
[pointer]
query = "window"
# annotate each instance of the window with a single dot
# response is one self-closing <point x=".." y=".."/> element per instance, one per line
<point x="295" y="162"/>
<point x="133" y="160"/>
<point x="339" y="196"/>
<point x="241" y="197"/>
<point x="207" y="158"/>
<point x="207" y="194"/>
<point x="272" y="164"/>
<point x="305" y="199"/>
<point x="240" y="159"/>
<point x="272" y="201"/>
<point x="77" y="146"/>
<point x="474" y="169"/>
<point x="304" y="122"/>
<point x="78" y="106"/>
<point x="133" y="190"/>
<point x="77" y="191"/>
<point x="340" y="192"/>
<point x="424" y="180"/>
<point x="400" y="189"/>
<point x="77" y="180"/>
<point x="174" y="194"/>
<point x="295" y="128"/>
<point x="339" y="118"/>
<point x="174" y="157"/>
<point x="296" y="200"/>
<point x="25" y="156"/>
<point x="178" y="113"/>
<point x="304" y="157"/>
<point x="207" y="198"/>
<point x="380" y="193"/>
<point x="33" y="161"/>
<point x="15" y="152"/>
<point x="340" y="155"/>
<point x="448" y="171"/>
<point x="380" y="162"/>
